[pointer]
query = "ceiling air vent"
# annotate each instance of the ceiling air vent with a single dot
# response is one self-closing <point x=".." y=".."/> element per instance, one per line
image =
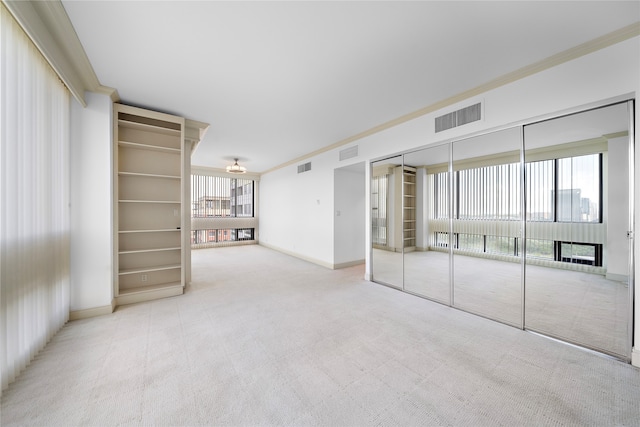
<point x="461" y="117"/>
<point x="349" y="153"/>
<point x="305" y="167"/>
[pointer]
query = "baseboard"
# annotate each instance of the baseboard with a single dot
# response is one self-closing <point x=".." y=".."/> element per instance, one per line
<point x="617" y="277"/>
<point x="348" y="264"/>
<point x="92" y="312"/>
<point x="297" y="255"/>
<point x="635" y="357"/>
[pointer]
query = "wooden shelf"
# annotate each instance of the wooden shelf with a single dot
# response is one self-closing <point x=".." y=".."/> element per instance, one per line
<point x="149" y="269"/>
<point x="162" y="230"/>
<point x="139" y="146"/>
<point x="150" y="201"/>
<point x="148" y="175"/>
<point x="148" y="127"/>
<point x="142" y="251"/>
<point x="149" y="288"/>
<point x="148" y="209"/>
<point x="408" y="225"/>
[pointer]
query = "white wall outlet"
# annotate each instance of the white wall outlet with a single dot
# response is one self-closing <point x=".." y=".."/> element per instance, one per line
<point x="144" y="278"/>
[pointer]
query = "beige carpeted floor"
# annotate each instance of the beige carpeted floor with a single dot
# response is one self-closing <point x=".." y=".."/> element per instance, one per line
<point x="261" y="338"/>
<point x="574" y="306"/>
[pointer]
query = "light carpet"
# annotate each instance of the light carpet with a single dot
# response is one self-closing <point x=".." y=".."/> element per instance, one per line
<point x="261" y="338"/>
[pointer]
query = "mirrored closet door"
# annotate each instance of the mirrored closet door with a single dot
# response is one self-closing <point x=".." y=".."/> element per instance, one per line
<point x="426" y="263"/>
<point x="487" y="225"/>
<point x="387" y="235"/>
<point x="529" y="226"/>
<point x="578" y="219"/>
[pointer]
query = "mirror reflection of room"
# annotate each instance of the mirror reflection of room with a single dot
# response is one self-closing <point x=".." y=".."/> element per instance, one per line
<point x="578" y="258"/>
<point x="527" y="226"/>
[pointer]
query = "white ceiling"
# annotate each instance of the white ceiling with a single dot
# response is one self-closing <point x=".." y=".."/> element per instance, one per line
<point x="278" y="80"/>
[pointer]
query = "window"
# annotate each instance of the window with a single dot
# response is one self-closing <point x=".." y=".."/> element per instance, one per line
<point x="501" y="245"/>
<point x="565" y="190"/>
<point x="441" y="239"/>
<point x="538" y="248"/>
<point x="579" y="253"/>
<point x="199" y="237"/>
<point x="471" y="242"/>
<point x="579" y="189"/>
<point x="244" y="234"/>
<point x="214" y="196"/>
<point x="557" y="190"/>
<point x="573" y="184"/>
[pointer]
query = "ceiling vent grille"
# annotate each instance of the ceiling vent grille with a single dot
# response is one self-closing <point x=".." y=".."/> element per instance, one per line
<point x="470" y="114"/>
<point x="304" y="168"/>
<point x="349" y="153"/>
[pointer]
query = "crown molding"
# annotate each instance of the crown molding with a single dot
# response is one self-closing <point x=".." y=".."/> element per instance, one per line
<point x="614" y="37"/>
<point x="109" y="91"/>
<point x="194" y="132"/>
<point x="49" y="27"/>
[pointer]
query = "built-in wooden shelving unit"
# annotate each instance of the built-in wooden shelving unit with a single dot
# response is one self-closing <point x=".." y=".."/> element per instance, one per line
<point x="149" y="218"/>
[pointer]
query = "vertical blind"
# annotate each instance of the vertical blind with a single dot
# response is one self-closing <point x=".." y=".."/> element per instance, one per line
<point x="485" y="200"/>
<point x="491" y="192"/>
<point x="34" y="182"/>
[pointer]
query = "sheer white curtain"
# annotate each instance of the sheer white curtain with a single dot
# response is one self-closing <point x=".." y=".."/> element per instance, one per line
<point x="34" y="214"/>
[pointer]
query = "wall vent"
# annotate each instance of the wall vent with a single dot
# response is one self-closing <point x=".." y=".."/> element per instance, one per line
<point x="469" y="114"/>
<point x="305" y="167"/>
<point x="349" y="153"/>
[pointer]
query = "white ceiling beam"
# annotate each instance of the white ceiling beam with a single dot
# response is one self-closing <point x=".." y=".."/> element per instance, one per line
<point x="48" y="26"/>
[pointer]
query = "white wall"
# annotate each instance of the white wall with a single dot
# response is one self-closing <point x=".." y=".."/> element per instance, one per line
<point x="349" y="216"/>
<point x="91" y="199"/>
<point x="291" y="220"/>
<point x="296" y="211"/>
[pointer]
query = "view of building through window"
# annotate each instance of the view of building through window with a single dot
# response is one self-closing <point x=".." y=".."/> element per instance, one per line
<point x="216" y="197"/>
